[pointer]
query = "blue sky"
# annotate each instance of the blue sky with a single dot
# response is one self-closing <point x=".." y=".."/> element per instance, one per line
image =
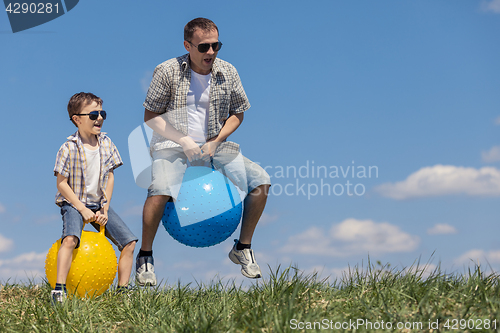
<point x="409" y="89"/>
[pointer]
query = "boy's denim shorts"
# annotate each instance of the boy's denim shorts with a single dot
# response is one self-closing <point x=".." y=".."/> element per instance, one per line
<point x="116" y="230"/>
<point x="169" y="166"/>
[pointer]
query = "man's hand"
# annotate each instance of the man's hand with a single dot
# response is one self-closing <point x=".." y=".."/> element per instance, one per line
<point x="191" y="149"/>
<point x="101" y="217"/>
<point x="209" y="149"/>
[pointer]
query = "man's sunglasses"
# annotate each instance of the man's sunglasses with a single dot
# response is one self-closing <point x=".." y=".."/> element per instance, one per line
<point x="93" y="115"/>
<point x="204" y="47"/>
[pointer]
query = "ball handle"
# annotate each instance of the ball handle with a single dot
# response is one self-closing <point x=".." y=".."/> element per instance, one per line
<point x="102" y="228"/>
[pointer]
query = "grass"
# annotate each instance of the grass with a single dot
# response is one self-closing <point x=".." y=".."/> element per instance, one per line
<point x="375" y="299"/>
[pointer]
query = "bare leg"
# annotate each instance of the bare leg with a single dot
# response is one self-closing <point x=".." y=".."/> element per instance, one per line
<point x="125" y="264"/>
<point x="64" y="258"/>
<point x="253" y="207"/>
<point x="151" y="217"/>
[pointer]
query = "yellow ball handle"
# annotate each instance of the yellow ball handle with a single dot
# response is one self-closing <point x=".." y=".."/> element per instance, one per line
<point x="102" y="228"/>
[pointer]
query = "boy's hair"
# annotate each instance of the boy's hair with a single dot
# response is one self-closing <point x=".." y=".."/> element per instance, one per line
<point x="80" y="100"/>
<point x="198" y="23"/>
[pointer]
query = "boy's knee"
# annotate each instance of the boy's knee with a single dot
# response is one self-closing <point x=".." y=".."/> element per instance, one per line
<point x="70" y="241"/>
<point x="130" y="247"/>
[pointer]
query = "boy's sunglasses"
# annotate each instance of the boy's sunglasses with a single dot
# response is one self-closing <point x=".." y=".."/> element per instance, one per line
<point x="93" y="115"/>
<point x="204" y="47"/>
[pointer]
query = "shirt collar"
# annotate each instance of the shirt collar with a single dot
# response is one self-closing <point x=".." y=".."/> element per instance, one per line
<point x="185" y="64"/>
<point x="76" y="137"/>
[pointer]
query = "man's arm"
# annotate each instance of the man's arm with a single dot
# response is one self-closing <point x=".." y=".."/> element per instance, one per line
<point x="232" y="123"/>
<point x="165" y="129"/>
<point x="68" y="193"/>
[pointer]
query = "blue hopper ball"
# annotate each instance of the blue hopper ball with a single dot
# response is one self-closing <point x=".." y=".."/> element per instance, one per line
<point x="207" y="210"/>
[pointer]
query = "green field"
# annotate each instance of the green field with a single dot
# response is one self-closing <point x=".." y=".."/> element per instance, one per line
<point x="374" y="299"/>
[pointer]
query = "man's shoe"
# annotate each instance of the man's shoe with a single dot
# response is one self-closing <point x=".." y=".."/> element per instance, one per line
<point x="57" y="297"/>
<point x="145" y="271"/>
<point x="246" y="259"/>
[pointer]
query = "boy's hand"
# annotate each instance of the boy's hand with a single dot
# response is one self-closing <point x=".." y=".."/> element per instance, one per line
<point x="101" y="217"/>
<point x="87" y="215"/>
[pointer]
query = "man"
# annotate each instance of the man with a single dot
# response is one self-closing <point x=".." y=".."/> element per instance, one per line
<point x="194" y="103"/>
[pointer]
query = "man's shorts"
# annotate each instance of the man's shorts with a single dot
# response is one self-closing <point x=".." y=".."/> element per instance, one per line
<point x="116" y="230"/>
<point x="169" y="166"/>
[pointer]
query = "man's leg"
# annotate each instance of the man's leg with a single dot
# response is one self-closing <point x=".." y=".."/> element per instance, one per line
<point x="241" y="253"/>
<point x="151" y="217"/>
<point x="253" y="207"/>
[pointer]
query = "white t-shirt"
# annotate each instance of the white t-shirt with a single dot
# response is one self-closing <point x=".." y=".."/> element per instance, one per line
<point x="92" y="174"/>
<point x="198" y="103"/>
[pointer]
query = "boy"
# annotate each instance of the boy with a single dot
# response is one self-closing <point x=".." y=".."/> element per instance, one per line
<point x="84" y="170"/>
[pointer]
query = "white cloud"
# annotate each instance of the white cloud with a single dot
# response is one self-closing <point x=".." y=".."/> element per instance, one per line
<point x="47" y="219"/>
<point x="146" y="80"/>
<point x="5" y="244"/>
<point x="2" y="208"/>
<point x="497" y="121"/>
<point x="423" y="271"/>
<point x="268" y="218"/>
<point x="352" y="237"/>
<point x="345" y="273"/>
<point x="481" y="257"/>
<point x="491" y="6"/>
<point x="27" y="265"/>
<point x="444" y="180"/>
<point x="442" y="229"/>
<point x="492" y="155"/>
<point x="133" y="211"/>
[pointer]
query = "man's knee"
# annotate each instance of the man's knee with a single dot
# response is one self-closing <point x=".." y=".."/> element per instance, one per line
<point x="157" y="200"/>
<point x="261" y="190"/>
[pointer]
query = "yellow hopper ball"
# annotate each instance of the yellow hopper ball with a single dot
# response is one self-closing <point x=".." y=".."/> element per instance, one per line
<point x="93" y="267"/>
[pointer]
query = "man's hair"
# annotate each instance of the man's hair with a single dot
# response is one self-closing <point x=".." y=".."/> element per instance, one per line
<point x="79" y="101"/>
<point x="198" y="23"/>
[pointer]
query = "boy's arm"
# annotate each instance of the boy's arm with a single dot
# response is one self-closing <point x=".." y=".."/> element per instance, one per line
<point x="102" y="215"/>
<point x="68" y="193"/>
<point x="109" y="190"/>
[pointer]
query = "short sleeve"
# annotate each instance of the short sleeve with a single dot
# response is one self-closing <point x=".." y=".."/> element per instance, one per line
<point x="117" y="160"/>
<point x="62" y="165"/>
<point x="158" y="95"/>
<point x="239" y="102"/>
<point x="111" y="156"/>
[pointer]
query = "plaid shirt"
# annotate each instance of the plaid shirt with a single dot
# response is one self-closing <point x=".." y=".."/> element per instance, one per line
<point x="167" y="95"/>
<point x="71" y="163"/>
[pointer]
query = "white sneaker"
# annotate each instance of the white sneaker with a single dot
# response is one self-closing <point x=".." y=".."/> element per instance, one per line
<point x="57" y="296"/>
<point x="145" y="271"/>
<point x="246" y="259"/>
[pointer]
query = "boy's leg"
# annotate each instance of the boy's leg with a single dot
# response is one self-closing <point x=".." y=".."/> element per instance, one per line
<point x="125" y="264"/>
<point x="70" y="239"/>
<point x="120" y="234"/>
<point x="64" y="258"/>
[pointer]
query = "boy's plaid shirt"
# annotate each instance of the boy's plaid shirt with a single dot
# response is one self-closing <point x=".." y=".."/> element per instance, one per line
<point x="167" y="95"/>
<point x="71" y="163"/>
